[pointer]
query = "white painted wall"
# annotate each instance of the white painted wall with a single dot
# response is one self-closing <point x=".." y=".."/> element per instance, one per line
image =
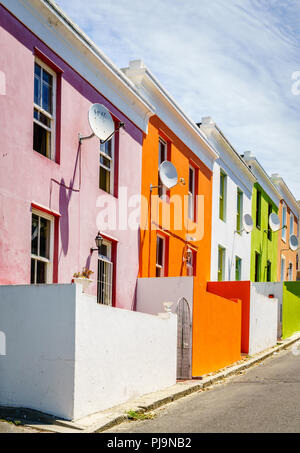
<point x="275" y="288"/>
<point x="152" y="292"/>
<point x="223" y="233"/>
<point x="263" y="322"/>
<point x="37" y="371"/>
<point x="120" y="354"/>
<point x="68" y="356"/>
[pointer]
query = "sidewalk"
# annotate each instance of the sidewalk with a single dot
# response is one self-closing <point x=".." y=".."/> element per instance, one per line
<point x="104" y="420"/>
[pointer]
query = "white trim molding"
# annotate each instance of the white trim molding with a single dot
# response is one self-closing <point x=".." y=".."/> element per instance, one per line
<point x="170" y="112"/>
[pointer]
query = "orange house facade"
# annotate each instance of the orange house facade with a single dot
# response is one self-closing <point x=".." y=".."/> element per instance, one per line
<point x="175" y="235"/>
<point x="176" y="223"/>
<point x="289" y="217"/>
<point x="175" y="239"/>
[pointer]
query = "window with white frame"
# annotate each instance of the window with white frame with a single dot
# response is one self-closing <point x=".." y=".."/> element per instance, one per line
<point x="160" y="256"/>
<point x="44" y="110"/>
<point x="282" y="269"/>
<point x="290" y="272"/>
<point x="191" y="193"/>
<point x="291" y="224"/>
<point x="41" y="247"/>
<point x="284" y="215"/>
<point x="106" y="173"/>
<point x="162" y="156"/>
<point x="221" y="263"/>
<point x="105" y="274"/>
<point x="190" y="262"/>
<point x="238" y="269"/>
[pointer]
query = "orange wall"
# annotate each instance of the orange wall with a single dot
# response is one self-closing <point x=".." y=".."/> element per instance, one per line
<point x="238" y="290"/>
<point x="216" y="332"/>
<point x="289" y="255"/>
<point x="180" y="156"/>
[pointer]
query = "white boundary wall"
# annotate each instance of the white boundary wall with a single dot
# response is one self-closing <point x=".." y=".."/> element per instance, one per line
<point x="68" y="356"/>
<point x="276" y="289"/>
<point x="152" y="292"/>
<point x="263" y="322"/>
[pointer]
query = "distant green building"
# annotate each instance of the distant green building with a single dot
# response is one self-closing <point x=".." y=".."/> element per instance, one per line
<point x="264" y="242"/>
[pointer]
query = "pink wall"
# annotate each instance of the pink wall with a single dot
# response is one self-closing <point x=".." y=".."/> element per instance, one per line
<point x="25" y="175"/>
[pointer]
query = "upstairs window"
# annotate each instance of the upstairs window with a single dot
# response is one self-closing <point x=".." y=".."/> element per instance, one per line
<point x="270" y="209"/>
<point x="284" y="216"/>
<point x="238" y="269"/>
<point x="44" y="110"/>
<point x="221" y="264"/>
<point x="239" y="211"/>
<point x="257" y="266"/>
<point x="162" y="156"/>
<point x="222" y="196"/>
<point x="282" y="270"/>
<point x="191" y="194"/>
<point x="269" y="271"/>
<point x="106" y="172"/>
<point x="291" y="224"/>
<point x="258" y="209"/>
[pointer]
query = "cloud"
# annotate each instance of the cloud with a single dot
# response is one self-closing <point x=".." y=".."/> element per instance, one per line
<point x="228" y="59"/>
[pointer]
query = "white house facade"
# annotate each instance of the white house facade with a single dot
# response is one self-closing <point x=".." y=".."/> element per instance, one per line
<point x="231" y="200"/>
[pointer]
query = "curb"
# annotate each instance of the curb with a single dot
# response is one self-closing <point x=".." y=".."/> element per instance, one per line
<point x="113" y="417"/>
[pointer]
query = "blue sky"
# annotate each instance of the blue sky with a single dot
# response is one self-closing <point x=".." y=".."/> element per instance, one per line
<point x="232" y="60"/>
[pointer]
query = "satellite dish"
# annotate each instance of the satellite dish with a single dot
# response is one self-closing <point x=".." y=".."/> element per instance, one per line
<point x="274" y="222"/>
<point x="168" y="174"/>
<point x="101" y="121"/>
<point x="294" y="243"/>
<point x="248" y="223"/>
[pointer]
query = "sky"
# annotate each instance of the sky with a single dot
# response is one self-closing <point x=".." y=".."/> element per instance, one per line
<point x="237" y="61"/>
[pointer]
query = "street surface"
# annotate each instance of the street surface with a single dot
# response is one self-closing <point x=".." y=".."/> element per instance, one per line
<point x="266" y="399"/>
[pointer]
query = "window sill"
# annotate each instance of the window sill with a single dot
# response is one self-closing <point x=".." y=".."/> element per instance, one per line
<point x="45" y="157"/>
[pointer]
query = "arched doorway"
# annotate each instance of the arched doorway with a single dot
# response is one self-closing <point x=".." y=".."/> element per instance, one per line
<point x="184" y="340"/>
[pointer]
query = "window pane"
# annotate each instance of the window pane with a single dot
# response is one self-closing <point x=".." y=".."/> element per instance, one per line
<point x="107" y="148"/>
<point x="44" y="237"/>
<point x="104" y="287"/>
<point x="41" y="140"/>
<point x="162" y="152"/>
<point x="191" y="181"/>
<point x="37" y="90"/>
<point x="32" y="273"/>
<point x="47" y="97"/>
<point x="104" y="182"/>
<point x="41" y="272"/>
<point x="34" y="234"/>
<point x="105" y="161"/>
<point x="159" y="251"/>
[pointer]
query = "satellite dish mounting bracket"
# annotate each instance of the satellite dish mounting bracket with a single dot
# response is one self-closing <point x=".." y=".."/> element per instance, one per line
<point x="81" y="138"/>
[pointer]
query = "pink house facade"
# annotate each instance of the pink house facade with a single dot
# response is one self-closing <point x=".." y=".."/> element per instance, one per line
<point x="52" y="189"/>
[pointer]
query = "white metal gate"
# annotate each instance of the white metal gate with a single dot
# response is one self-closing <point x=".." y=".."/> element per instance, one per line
<point x="184" y="340"/>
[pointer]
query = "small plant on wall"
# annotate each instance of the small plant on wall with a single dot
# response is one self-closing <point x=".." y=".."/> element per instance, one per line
<point x="86" y="273"/>
<point x="83" y="278"/>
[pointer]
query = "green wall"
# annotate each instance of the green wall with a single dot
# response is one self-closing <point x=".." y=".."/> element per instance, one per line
<point x="290" y="309"/>
<point x="259" y="239"/>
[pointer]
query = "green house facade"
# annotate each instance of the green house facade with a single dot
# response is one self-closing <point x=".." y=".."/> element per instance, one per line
<point x="264" y="242"/>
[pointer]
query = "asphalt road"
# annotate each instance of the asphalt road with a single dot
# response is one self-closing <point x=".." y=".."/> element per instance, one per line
<point x="266" y="399"/>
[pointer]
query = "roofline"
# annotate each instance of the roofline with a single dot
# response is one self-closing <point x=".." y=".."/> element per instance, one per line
<point x="142" y="71"/>
<point x="87" y="42"/>
<point x="252" y="159"/>
<point x="235" y="153"/>
<point x="279" y="181"/>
